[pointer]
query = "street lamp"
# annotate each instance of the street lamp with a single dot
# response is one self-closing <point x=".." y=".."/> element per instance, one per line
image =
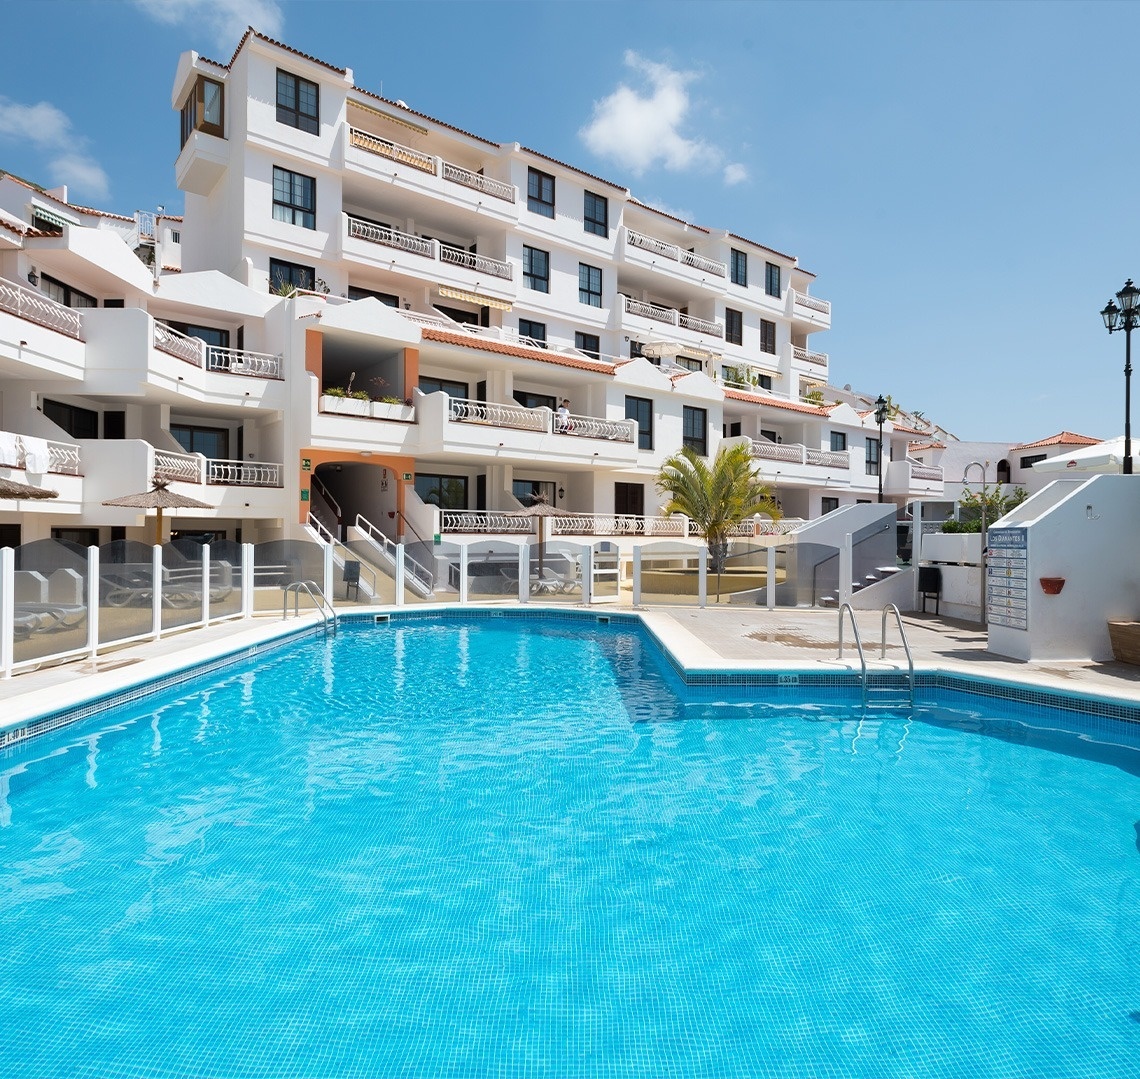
<point x="1124" y="318"/>
<point x="881" y="410"/>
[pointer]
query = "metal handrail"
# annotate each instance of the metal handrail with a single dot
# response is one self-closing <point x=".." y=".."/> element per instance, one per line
<point x="314" y="592"/>
<point x="420" y="573"/>
<point x="858" y="645"/>
<point x="344" y="552"/>
<point x="905" y="643"/>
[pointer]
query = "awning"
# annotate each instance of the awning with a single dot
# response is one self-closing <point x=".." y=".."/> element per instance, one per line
<point x="474" y="297"/>
<point x="50" y="215"/>
<point x="388" y="116"/>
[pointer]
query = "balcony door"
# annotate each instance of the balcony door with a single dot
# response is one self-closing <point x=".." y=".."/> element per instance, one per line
<point x="629" y="499"/>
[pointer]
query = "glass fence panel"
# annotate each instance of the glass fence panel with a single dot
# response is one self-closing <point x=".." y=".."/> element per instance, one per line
<point x="126" y="588"/>
<point x="743" y="578"/>
<point x="421" y="573"/>
<point x="607" y="579"/>
<point x="225" y="579"/>
<point x="181" y="587"/>
<point x="556" y="572"/>
<point x="362" y="575"/>
<point x="492" y="571"/>
<point x="50" y="599"/>
<point x="670" y="574"/>
<point x="808" y="574"/>
<point x="279" y="563"/>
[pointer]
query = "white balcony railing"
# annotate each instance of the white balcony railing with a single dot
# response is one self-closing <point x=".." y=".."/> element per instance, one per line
<point x="63" y="457"/>
<point x="175" y="343"/>
<point x="417" y="159"/>
<point x="592" y="427"/>
<point x="233" y="361"/>
<point x="462" y="410"/>
<point x="804" y="356"/>
<point x="184" y="467"/>
<point x="34" y="306"/>
<point x="812" y="304"/>
<point x="925" y="472"/>
<point x="675" y="253"/>
<point x="618" y="524"/>
<point x="671" y="317"/>
<point x="431" y="249"/>
<point x="795" y="453"/>
<point x="483" y="521"/>
<point x="243" y="473"/>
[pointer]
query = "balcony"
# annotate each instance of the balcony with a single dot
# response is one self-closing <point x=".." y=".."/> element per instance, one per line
<point x="517" y="417"/>
<point x="912" y="479"/>
<point x="795" y="453"/>
<point x="675" y="254"/>
<point x="34" y="306"/>
<point x="803" y="355"/>
<point x="668" y="316"/>
<point x="809" y="313"/>
<point x="428" y="250"/>
<point x="62" y="457"/>
<point x="230" y="361"/>
<point x="194" y="468"/>
<point x="433" y="166"/>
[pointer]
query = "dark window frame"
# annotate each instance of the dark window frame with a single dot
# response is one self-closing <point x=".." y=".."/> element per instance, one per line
<point x="196" y="106"/>
<point x="295" y="115"/>
<point x="733" y="326"/>
<point x="296" y="274"/>
<point x="593" y="221"/>
<point x="693" y="418"/>
<point x="768" y="336"/>
<point x="772" y="282"/>
<point x="641" y="409"/>
<point x="294" y="203"/>
<point x="874" y="457"/>
<point x="221" y="435"/>
<point x="77" y="421"/>
<point x="828" y="504"/>
<point x="539" y="282"/>
<point x="535" y="330"/>
<point x="388" y="299"/>
<point x="1031" y="459"/>
<point x="838" y="441"/>
<point x="434" y="384"/>
<point x="738" y="267"/>
<point x="69" y="293"/>
<point x="589" y="343"/>
<point x="442" y="479"/>
<point x="537" y="190"/>
<point x="588" y="277"/>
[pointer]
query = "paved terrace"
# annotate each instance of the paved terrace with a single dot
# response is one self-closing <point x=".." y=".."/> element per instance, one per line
<point x="716" y="637"/>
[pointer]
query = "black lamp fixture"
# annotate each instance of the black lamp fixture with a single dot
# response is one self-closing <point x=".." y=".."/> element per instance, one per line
<point x="881" y="410"/>
<point x="33" y="277"/>
<point x="561" y="492"/>
<point x="1125" y="317"/>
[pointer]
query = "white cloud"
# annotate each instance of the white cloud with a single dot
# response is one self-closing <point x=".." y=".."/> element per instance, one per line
<point x="734" y="174"/>
<point x="50" y="130"/>
<point x="224" y="20"/>
<point x="639" y="129"/>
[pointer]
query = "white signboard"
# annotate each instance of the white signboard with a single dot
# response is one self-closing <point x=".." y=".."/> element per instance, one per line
<point x="1007" y="578"/>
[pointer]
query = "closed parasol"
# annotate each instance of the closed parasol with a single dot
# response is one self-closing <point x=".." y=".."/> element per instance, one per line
<point x="10" y="489"/>
<point x="158" y="498"/>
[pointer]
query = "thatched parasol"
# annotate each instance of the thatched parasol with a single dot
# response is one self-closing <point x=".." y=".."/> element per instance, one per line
<point x="13" y="490"/>
<point x="158" y="498"/>
<point x="541" y="509"/>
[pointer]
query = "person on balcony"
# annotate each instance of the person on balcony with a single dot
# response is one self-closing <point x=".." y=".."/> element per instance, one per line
<point x="562" y="420"/>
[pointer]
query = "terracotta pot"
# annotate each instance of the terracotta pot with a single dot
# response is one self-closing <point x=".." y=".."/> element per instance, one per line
<point x="1052" y="586"/>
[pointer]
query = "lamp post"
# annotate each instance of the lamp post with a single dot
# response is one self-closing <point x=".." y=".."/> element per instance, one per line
<point x="1125" y="317"/>
<point x="982" y="563"/>
<point x="881" y="409"/>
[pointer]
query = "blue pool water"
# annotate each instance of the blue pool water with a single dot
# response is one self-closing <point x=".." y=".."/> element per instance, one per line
<point x="503" y="849"/>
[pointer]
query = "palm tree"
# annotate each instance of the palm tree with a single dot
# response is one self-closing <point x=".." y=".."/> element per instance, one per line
<point x="717" y="497"/>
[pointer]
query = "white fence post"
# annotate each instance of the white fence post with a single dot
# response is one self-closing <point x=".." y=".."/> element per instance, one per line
<point x="247" y="579"/>
<point x="156" y="591"/>
<point x="463" y="574"/>
<point x="524" y="572"/>
<point x="92" y="602"/>
<point x="703" y="577"/>
<point x="398" y="598"/>
<point x="327" y="584"/>
<point x="205" y="584"/>
<point x="637" y="575"/>
<point x="587" y="574"/>
<point x="7" y="610"/>
<point x="844" y="591"/>
<point x="770" y="587"/>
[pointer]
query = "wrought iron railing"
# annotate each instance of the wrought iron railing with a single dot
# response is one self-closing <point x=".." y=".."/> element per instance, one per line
<point x="34" y="306"/>
<point x="463" y="410"/>
<point x="481" y="521"/>
<point x="376" y="234"/>
<point x="180" y="345"/>
<point x="243" y="473"/>
<point x="234" y="361"/>
<point x="185" y="467"/>
<point x="617" y="524"/>
<point x="701" y="325"/>
<point x="796" y="453"/>
<point x="804" y="356"/>
<point x="482" y="263"/>
<point x="405" y="155"/>
<point x="650" y="311"/>
<point x="476" y="180"/>
<point x="675" y="253"/>
<point x="592" y="427"/>
<point x="63" y="457"/>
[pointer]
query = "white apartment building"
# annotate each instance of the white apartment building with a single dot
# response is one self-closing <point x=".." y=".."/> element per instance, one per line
<point x="368" y="314"/>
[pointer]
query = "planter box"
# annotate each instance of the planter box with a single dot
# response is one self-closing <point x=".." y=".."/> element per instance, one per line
<point x="952" y="548"/>
<point x="1125" y="637"/>
<point x="345" y="406"/>
<point x="382" y="410"/>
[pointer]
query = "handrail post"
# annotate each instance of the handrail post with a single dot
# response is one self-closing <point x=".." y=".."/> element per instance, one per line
<point x="248" y="569"/>
<point x="156" y="591"/>
<point x="92" y="602"/>
<point x="205" y="584"/>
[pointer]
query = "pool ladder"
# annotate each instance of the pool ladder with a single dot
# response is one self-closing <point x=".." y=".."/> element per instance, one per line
<point x="881" y="692"/>
<point x="320" y="601"/>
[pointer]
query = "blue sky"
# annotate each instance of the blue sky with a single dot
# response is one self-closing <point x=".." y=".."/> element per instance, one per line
<point x="960" y="176"/>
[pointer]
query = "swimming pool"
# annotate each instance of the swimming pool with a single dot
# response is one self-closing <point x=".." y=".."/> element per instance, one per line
<point x="510" y="847"/>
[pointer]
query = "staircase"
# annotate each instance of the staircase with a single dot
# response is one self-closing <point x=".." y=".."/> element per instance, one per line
<point x="879" y="573"/>
<point x="418" y="578"/>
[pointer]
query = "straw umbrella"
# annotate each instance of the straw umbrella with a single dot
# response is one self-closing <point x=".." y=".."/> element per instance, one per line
<point x="540" y="509"/>
<point x="158" y="498"/>
<point x="10" y="489"/>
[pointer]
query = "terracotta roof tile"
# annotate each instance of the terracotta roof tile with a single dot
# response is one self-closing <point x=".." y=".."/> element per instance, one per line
<point x="424" y="116"/>
<point x="485" y="344"/>
<point x="918" y="447"/>
<point x="574" y="168"/>
<point x="680" y="220"/>
<point x="776" y="402"/>
<point x="251" y="32"/>
<point x="1064" y="438"/>
<point x="764" y="247"/>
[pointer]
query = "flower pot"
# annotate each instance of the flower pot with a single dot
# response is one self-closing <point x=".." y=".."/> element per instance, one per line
<point x="1052" y="586"/>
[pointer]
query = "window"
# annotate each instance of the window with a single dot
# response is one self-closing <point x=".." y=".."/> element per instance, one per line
<point x="629" y="498"/>
<point x="596" y="215"/>
<point x="771" y="436"/>
<point x="1032" y="459"/>
<point x="176" y="237"/>
<point x="45" y="225"/>
<point x="767" y="336"/>
<point x="764" y="382"/>
<point x="827" y="504"/>
<point x="65" y="294"/>
<point x="456" y="390"/>
<point x="528" y="492"/>
<point x="457" y="314"/>
<point x="738" y="266"/>
<point x="641" y="409"/>
<point x="589" y="285"/>
<point x="212" y="442"/>
<point x="77" y="422"/>
<point x="529" y="399"/>
<point x="294" y="198"/>
<point x="204" y="110"/>
<point x="838" y="440"/>
<point x="635" y="353"/>
<point x="298" y="102"/>
<point x="733" y="326"/>
<point x="874" y="451"/>
<point x="540" y="193"/>
<point x="536" y="331"/>
<point x="446" y="492"/>
<point x="695" y="428"/>
<point x="589" y="343"/>
<point x="210" y="334"/>
<point x="772" y="279"/>
<point x="286" y="275"/>
<point x="536" y="269"/>
<point x="85" y="537"/>
<point x="688" y="363"/>
<point x="386" y="298"/>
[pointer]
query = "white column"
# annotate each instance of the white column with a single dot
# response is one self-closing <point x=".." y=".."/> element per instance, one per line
<point x="587" y="574"/>
<point x="844" y="592"/>
<point x="328" y="582"/>
<point x="703" y="577"/>
<point x="247" y="579"/>
<point x="463" y="574"/>
<point x="92" y="601"/>
<point x="399" y="597"/>
<point x="524" y="572"/>
<point x="770" y="589"/>
<point x="205" y="584"/>
<point x="156" y="590"/>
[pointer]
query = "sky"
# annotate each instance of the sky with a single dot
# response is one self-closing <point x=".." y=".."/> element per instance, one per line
<point x="960" y="176"/>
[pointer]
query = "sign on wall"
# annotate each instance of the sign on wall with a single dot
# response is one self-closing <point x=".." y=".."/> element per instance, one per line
<point x="1007" y="578"/>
